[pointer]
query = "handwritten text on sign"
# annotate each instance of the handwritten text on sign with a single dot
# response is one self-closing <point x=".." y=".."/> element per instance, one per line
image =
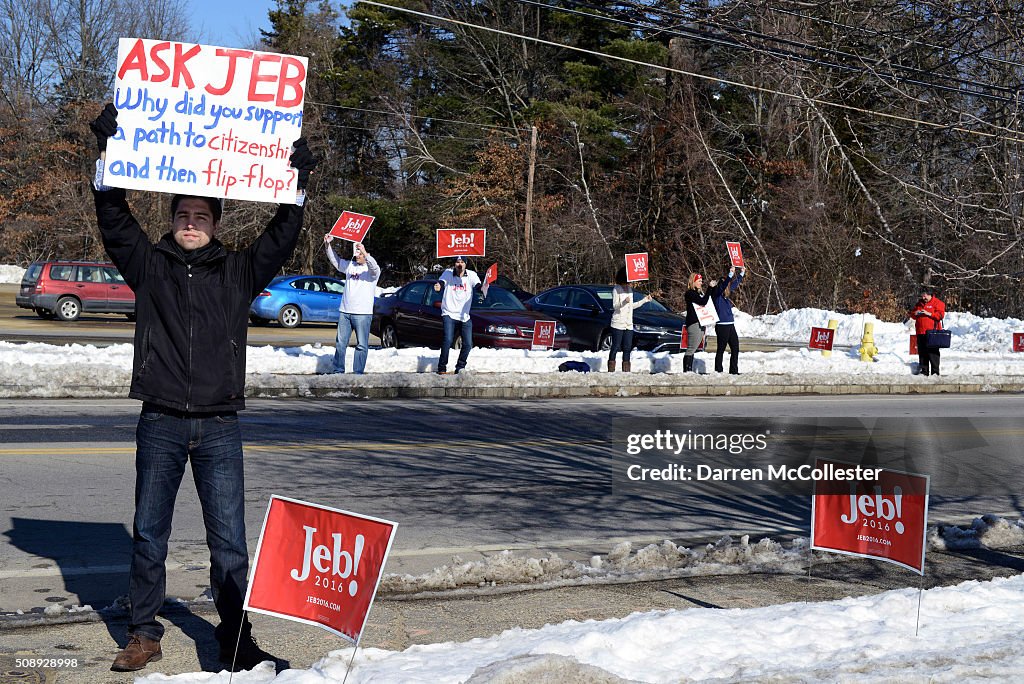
<point x="543" y="335"/>
<point x="318" y="565"/>
<point x="461" y="242"/>
<point x="885" y="519"/>
<point x="636" y="267"/>
<point x="204" y="120"/>
<point x="735" y="254"/>
<point x="352" y="226"/>
<point x="821" y="338"/>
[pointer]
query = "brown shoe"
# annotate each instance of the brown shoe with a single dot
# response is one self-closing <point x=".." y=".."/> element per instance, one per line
<point x="137" y="654"/>
<point x="611" y="366"/>
<point x="627" y="367"/>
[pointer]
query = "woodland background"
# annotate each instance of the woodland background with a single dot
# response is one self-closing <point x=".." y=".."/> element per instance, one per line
<point x="857" y="149"/>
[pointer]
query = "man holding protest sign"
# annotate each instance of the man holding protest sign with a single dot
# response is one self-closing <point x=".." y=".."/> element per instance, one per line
<point x="192" y="306"/>
<point x="458" y="283"/>
<point x="356" y="310"/>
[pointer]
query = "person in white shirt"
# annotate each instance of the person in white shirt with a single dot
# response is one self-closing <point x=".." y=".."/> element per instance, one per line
<point x="458" y="283"/>
<point x="622" y="320"/>
<point x="356" y="309"/>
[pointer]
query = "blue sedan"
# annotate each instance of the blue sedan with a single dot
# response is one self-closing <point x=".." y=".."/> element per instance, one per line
<point x="291" y="300"/>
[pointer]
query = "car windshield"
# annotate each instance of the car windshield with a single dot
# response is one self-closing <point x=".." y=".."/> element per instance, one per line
<point x="604" y="293"/>
<point x="497" y="300"/>
<point x="653" y="305"/>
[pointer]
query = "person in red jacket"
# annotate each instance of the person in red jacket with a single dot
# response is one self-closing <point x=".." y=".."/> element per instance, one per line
<point x="927" y="314"/>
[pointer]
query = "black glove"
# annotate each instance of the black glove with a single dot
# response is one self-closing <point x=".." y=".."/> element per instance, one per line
<point x="303" y="161"/>
<point x="105" y="126"/>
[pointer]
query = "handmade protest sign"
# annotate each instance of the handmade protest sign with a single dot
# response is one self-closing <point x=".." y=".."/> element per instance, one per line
<point x="205" y="120"/>
<point x="453" y="242"/>
<point x="821" y="338"/>
<point x="735" y="254"/>
<point x="351" y="226"/>
<point x="884" y="518"/>
<point x="543" y="335"/>
<point x="318" y="565"/>
<point x="636" y="267"/>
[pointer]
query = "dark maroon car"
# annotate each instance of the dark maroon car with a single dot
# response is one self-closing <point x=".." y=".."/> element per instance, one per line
<point x="411" y="317"/>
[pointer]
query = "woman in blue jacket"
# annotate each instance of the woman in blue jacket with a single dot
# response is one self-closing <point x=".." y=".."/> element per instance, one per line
<point x="725" y="329"/>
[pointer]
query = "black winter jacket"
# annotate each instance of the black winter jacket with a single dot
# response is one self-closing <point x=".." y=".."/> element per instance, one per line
<point x="694" y="297"/>
<point x="192" y="318"/>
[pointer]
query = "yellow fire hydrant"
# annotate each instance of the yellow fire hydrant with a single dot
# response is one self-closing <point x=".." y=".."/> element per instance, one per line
<point x="868" y="350"/>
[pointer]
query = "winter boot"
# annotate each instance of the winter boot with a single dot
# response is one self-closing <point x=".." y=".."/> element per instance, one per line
<point x="611" y="366"/>
<point x="687" y="363"/>
<point x="626" y="366"/>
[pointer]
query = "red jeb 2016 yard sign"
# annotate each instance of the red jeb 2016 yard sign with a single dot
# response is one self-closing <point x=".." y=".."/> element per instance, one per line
<point x="1018" y="342"/>
<point x="318" y="565"/>
<point x="352" y="226"/>
<point x="821" y="338"/>
<point x="637" y="267"/>
<point x="735" y="254"/>
<point x="913" y="344"/>
<point x="886" y="519"/>
<point x="543" y="335"/>
<point x="453" y="242"/>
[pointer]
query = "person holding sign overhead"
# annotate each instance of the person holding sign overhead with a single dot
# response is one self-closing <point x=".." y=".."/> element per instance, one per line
<point x="356" y="310"/>
<point x="725" y="328"/>
<point x="192" y="308"/>
<point x="458" y="283"/>
<point x="622" y="320"/>
<point x="695" y="297"/>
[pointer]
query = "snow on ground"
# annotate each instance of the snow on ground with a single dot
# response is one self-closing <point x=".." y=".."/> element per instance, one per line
<point x="981" y="349"/>
<point x="967" y="633"/>
<point x="11" y="275"/>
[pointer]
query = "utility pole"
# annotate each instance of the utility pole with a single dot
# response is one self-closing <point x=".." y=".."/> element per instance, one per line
<point x="528" y="227"/>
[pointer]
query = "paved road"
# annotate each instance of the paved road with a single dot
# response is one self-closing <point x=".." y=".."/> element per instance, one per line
<point x="462" y="478"/>
<point x="22" y="325"/>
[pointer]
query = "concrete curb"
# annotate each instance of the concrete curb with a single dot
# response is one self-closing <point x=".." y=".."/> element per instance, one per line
<point x="472" y="385"/>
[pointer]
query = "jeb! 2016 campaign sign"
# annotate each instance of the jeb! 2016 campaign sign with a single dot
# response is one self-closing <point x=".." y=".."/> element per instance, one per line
<point x="885" y="519"/>
<point x="452" y="242"/>
<point x="735" y="254"/>
<point x="205" y="120"/>
<point x="1018" y="342"/>
<point x="543" y="335"/>
<point x="318" y="565"/>
<point x="637" y="266"/>
<point x="821" y="338"/>
<point x="352" y="226"/>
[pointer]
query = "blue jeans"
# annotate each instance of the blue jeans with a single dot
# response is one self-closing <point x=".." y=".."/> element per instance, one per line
<point x="449" y="337"/>
<point x="361" y="324"/>
<point x="165" y="442"/>
<point x="622" y="340"/>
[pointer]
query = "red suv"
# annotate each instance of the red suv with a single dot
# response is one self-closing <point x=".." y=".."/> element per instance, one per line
<point x="65" y="289"/>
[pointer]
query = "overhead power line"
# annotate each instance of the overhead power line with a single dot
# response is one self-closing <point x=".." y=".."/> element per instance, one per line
<point x="1017" y="136"/>
<point x="854" y="63"/>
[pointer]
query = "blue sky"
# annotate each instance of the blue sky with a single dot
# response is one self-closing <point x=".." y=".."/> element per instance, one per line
<point x="230" y="23"/>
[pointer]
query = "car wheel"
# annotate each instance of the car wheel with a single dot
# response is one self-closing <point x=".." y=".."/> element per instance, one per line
<point x="389" y="336"/>
<point x="258" y="320"/>
<point x="68" y="309"/>
<point x="457" y="342"/>
<point x="289" y="316"/>
<point x="605" y="343"/>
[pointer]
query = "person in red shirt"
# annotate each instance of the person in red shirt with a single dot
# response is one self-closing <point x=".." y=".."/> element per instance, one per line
<point x="927" y="314"/>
